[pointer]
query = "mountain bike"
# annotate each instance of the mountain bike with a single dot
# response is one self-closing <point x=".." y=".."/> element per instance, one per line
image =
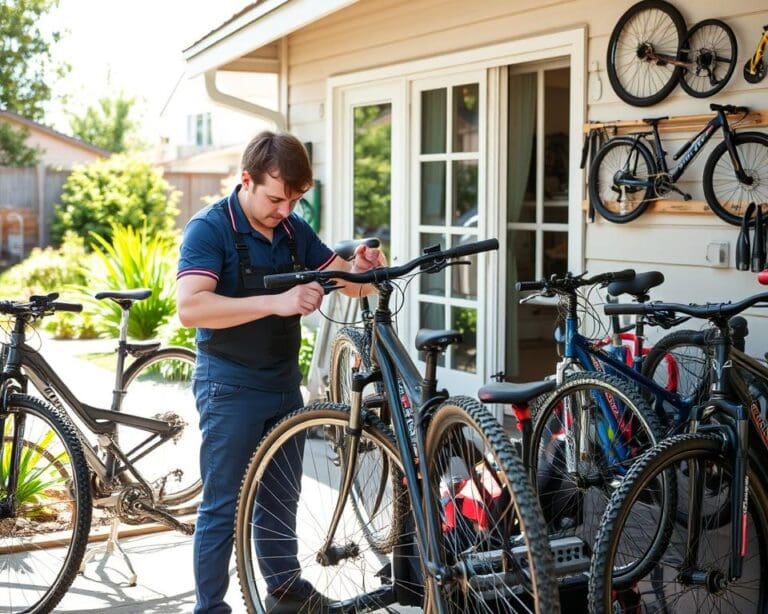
<point x="645" y="558"/>
<point x="625" y="177"/>
<point x="649" y="53"/>
<point x="468" y="532"/>
<point x="754" y="69"/>
<point x="135" y="461"/>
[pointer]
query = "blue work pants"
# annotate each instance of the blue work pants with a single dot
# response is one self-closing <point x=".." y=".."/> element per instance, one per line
<point x="233" y="420"/>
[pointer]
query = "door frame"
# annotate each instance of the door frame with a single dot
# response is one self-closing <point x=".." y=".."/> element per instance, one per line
<point x="571" y="43"/>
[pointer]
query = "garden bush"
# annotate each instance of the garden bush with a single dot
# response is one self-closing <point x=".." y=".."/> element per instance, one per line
<point x="117" y="190"/>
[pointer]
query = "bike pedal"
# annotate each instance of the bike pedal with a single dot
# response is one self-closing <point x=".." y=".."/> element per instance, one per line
<point x="687" y="197"/>
<point x="186" y="528"/>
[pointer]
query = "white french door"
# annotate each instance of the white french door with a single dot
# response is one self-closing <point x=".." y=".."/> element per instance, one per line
<point x="448" y="115"/>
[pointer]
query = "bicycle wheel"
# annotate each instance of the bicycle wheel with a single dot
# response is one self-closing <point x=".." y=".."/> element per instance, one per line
<point x="649" y="30"/>
<point x="350" y="353"/>
<point x="585" y="437"/>
<point x="710" y="49"/>
<point x="278" y="547"/>
<point x="680" y="363"/>
<point x="493" y="539"/>
<point x="637" y="536"/>
<point x="621" y="160"/>
<point x="726" y="195"/>
<point x="44" y="529"/>
<point x="160" y="386"/>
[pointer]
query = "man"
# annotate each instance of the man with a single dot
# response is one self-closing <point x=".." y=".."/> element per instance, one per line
<point x="247" y="375"/>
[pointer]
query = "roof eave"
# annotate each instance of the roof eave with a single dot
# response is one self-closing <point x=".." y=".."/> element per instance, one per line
<point x="264" y="23"/>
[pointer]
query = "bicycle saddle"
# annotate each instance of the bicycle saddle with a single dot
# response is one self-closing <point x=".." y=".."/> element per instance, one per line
<point x="637" y="287"/>
<point x="125" y="298"/>
<point x="429" y="340"/>
<point x="516" y="394"/>
<point x="654" y="120"/>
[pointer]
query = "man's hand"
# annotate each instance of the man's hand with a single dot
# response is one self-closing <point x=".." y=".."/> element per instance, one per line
<point x="367" y="258"/>
<point x="300" y="300"/>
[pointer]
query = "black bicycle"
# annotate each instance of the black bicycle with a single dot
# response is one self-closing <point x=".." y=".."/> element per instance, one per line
<point x="648" y="558"/>
<point x="134" y="462"/>
<point x="625" y="177"/>
<point x="649" y="53"/>
<point x="468" y="533"/>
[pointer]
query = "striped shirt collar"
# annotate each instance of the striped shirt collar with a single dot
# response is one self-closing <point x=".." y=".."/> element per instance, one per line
<point x="240" y="223"/>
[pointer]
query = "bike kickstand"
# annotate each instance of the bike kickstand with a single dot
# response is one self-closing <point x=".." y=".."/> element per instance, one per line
<point x="111" y="546"/>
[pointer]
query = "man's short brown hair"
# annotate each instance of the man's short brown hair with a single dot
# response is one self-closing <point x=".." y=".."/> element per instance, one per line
<point x="278" y="153"/>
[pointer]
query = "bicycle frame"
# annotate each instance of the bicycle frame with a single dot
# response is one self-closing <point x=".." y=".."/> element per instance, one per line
<point x="393" y="361"/>
<point x="754" y="60"/>
<point x="102" y="422"/>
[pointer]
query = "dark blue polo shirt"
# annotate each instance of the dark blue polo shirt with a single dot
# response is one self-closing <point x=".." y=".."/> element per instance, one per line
<point x="208" y="248"/>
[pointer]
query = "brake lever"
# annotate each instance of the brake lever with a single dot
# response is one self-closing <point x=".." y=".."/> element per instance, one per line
<point x="330" y="285"/>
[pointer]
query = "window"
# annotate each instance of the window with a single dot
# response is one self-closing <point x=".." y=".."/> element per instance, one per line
<point x="199" y="129"/>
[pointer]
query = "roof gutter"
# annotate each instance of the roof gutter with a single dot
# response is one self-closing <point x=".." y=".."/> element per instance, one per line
<point x="239" y="104"/>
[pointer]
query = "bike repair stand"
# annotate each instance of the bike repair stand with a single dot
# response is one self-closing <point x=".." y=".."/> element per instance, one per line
<point x="110" y="547"/>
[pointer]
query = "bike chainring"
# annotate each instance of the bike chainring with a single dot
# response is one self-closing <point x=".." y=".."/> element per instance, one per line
<point x="662" y="184"/>
<point x="127" y="508"/>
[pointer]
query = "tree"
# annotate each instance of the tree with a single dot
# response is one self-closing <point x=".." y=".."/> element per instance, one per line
<point x="107" y="125"/>
<point x="26" y="72"/>
<point x="13" y="150"/>
<point x="118" y="190"/>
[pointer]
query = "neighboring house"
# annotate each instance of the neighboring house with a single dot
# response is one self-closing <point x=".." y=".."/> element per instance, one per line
<point x="198" y="135"/>
<point x="479" y="110"/>
<point x="27" y="195"/>
<point x="58" y="150"/>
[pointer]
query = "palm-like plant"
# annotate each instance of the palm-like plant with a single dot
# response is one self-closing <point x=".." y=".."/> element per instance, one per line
<point x="41" y="470"/>
<point x="133" y="259"/>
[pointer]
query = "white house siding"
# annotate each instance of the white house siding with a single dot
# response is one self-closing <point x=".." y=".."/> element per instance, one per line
<point x="374" y="33"/>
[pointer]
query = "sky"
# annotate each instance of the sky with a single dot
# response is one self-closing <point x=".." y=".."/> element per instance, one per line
<point x="130" y="47"/>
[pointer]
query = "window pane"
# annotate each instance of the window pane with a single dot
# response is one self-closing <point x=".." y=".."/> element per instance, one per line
<point x="433" y="193"/>
<point x="432" y="283"/>
<point x="466" y="103"/>
<point x="521" y="173"/>
<point x="464" y="355"/>
<point x="433" y="121"/>
<point x="522" y="255"/>
<point x="555" y="253"/>
<point x="373" y="172"/>
<point x="465" y="193"/>
<point x="556" y="119"/>
<point x="464" y="277"/>
<point x="432" y="315"/>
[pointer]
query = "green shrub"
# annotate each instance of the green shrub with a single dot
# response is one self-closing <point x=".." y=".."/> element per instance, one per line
<point x="132" y="259"/>
<point x="118" y="190"/>
<point x="308" y="337"/>
<point x="46" y="270"/>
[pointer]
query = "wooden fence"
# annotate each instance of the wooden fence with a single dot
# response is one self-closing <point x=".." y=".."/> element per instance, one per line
<point x="28" y="197"/>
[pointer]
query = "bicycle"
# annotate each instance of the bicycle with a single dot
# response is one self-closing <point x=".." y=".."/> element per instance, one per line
<point x="52" y="474"/>
<point x="645" y="556"/>
<point x="469" y="534"/>
<point x="625" y="177"/>
<point x="649" y="53"/>
<point x="754" y="69"/>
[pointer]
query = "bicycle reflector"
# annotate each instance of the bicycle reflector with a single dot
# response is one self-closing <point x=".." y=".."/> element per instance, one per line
<point x="762" y="277"/>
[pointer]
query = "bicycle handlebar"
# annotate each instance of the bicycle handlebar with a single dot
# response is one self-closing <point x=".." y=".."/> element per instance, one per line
<point x="38" y="306"/>
<point x="380" y="274"/>
<point x="706" y="311"/>
<point x="569" y="282"/>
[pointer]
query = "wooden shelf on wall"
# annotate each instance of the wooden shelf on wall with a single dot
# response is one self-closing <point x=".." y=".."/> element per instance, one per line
<point x="682" y="123"/>
<point x="696" y="207"/>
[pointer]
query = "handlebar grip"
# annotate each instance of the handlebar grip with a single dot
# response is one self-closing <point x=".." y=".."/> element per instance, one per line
<point x="472" y="248"/>
<point x="73" y="307"/>
<point x="523" y="286"/>
<point x="615" y="309"/>
<point x="346" y="249"/>
<point x="288" y="280"/>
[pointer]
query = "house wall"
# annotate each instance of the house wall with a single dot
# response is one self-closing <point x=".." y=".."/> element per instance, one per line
<point x="375" y="33"/>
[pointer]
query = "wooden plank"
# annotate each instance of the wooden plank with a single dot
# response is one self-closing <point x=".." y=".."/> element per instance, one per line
<point x="697" y="207"/>
<point x="683" y="123"/>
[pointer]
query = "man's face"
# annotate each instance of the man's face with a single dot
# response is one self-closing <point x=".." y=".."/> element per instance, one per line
<point x="270" y="202"/>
